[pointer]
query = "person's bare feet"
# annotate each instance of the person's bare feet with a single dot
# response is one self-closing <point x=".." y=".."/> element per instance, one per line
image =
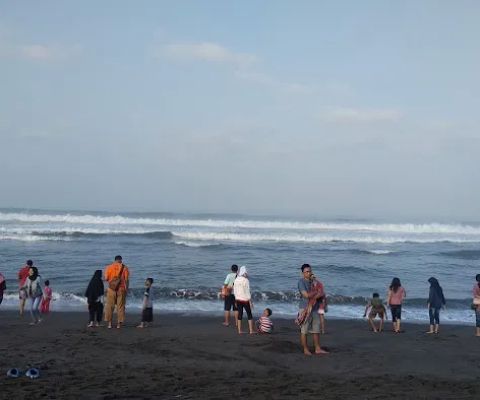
<point x="321" y="351"/>
<point x="307" y="352"/>
<point x="430" y="332"/>
<point x="225" y="324"/>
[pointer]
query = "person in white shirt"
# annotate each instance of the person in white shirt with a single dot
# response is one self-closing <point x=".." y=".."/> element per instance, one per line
<point x="243" y="298"/>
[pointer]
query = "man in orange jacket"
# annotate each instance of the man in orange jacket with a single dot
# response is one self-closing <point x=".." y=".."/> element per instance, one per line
<point x="117" y="276"/>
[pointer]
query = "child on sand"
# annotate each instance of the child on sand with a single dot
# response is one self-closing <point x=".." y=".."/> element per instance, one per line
<point x="45" y="305"/>
<point x="147" y="305"/>
<point x="323" y="308"/>
<point x="265" y="324"/>
<point x="376" y="307"/>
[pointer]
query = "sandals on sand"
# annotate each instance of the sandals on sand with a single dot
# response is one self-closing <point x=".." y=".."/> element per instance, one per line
<point x="32" y="373"/>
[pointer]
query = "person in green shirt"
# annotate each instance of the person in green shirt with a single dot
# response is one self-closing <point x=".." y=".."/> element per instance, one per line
<point x="376" y="307"/>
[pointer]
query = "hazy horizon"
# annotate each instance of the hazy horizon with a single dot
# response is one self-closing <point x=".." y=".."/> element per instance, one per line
<point x="345" y="110"/>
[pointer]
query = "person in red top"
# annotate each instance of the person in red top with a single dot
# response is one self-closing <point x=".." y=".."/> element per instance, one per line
<point x="476" y="304"/>
<point x="117" y="276"/>
<point x="22" y="276"/>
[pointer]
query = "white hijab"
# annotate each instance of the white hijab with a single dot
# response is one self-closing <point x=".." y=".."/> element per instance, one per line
<point x="243" y="271"/>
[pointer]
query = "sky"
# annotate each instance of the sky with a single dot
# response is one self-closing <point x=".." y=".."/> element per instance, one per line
<point x="348" y="108"/>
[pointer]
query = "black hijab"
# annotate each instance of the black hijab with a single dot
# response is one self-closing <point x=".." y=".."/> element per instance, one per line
<point x="34" y="275"/>
<point x="95" y="288"/>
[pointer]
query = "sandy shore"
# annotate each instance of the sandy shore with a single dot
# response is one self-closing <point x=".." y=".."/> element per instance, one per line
<point x="192" y="358"/>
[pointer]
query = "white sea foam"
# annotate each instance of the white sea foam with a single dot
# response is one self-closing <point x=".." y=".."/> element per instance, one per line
<point x="194" y="244"/>
<point x="312" y="238"/>
<point x="381" y="252"/>
<point x="70" y="302"/>
<point x="195" y="232"/>
<point x="118" y="220"/>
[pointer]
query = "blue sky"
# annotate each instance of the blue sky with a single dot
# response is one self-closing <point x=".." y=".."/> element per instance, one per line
<point x="327" y="108"/>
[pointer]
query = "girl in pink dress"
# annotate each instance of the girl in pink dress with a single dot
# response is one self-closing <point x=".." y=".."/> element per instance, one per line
<point x="45" y="306"/>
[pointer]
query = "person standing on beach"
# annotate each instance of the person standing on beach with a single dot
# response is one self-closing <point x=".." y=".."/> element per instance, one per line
<point x="147" y="304"/>
<point x="117" y="276"/>
<point x="243" y="298"/>
<point x="3" y="286"/>
<point x="22" y="276"/>
<point x="94" y="294"/>
<point x="436" y="301"/>
<point x="309" y="319"/>
<point x="227" y="293"/>
<point x="35" y="292"/>
<point x="395" y="297"/>
<point x="45" y="306"/>
<point x="476" y="303"/>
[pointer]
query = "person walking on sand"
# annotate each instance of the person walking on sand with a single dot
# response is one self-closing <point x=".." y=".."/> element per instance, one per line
<point x="243" y="298"/>
<point x="117" y="276"/>
<point x="476" y="304"/>
<point x="35" y="291"/>
<point x="227" y="293"/>
<point x="436" y="301"/>
<point x="94" y="294"/>
<point x="22" y="276"/>
<point x="308" y="318"/>
<point x="395" y="297"/>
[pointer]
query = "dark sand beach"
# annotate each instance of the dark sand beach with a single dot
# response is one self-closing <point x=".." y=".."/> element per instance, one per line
<point x="185" y="357"/>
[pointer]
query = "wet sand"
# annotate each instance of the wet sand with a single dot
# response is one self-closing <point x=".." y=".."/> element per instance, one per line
<point x="183" y="357"/>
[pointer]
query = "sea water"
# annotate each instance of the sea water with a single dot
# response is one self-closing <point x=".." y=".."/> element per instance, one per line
<point x="188" y="255"/>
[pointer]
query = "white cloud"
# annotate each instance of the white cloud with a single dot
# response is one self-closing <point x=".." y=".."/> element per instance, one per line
<point x="206" y="51"/>
<point x="267" y="80"/>
<point x="361" y="115"/>
<point x="42" y="52"/>
<point x="38" y="52"/>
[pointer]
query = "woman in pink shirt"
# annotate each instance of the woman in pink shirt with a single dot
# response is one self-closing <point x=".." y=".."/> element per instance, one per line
<point x="396" y="294"/>
<point x="476" y="303"/>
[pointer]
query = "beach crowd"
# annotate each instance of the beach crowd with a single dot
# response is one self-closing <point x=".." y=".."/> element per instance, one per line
<point x="106" y="294"/>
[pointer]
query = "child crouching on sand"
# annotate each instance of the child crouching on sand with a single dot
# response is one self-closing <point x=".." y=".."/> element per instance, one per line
<point x="264" y="323"/>
<point x="147" y="305"/>
<point x="376" y="307"/>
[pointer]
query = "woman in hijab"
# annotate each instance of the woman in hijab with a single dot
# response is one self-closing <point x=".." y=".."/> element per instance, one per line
<point x="35" y="290"/>
<point x="476" y="303"/>
<point x="243" y="298"/>
<point x="436" y="301"/>
<point x="94" y="295"/>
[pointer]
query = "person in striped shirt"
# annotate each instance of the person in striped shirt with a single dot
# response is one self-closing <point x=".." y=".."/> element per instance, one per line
<point x="265" y="324"/>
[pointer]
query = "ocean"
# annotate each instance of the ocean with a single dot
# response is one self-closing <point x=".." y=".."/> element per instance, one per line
<point x="189" y="255"/>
